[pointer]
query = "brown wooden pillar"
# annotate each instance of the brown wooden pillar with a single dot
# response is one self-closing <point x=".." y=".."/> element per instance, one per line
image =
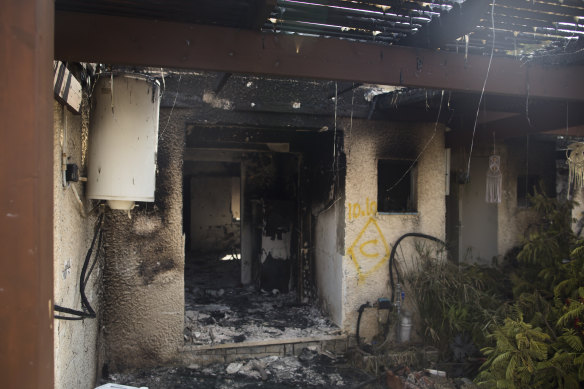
<point x="26" y="194"/>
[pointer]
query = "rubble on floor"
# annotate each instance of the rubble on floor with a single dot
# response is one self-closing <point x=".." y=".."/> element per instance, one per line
<point x="218" y="309"/>
<point x="311" y="369"/>
<point x="237" y="315"/>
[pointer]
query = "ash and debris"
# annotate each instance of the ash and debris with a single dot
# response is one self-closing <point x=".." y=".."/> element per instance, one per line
<point x="218" y="310"/>
<point x="309" y="370"/>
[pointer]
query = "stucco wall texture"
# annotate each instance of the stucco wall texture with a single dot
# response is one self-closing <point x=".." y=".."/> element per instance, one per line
<point x="144" y="268"/>
<point x="328" y="263"/>
<point x="75" y="341"/>
<point x="513" y="220"/>
<point x="365" y="143"/>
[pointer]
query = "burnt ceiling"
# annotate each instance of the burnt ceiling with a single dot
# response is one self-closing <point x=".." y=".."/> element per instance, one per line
<point x="521" y="28"/>
<point x="544" y="31"/>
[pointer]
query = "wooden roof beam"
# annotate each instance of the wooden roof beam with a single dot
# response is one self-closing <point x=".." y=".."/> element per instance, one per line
<point x="120" y="40"/>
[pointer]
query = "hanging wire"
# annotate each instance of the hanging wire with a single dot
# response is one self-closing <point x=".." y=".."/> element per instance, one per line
<point x="424" y="149"/>
<point x="163" y="81"/>
<point x="527" y="164"/>
<point x="335" y="140"/>
<point x="171" y="109"/>
<point x="352" y="109"/>
<point x="567" y="117"/>
<point x="474" y="129"/>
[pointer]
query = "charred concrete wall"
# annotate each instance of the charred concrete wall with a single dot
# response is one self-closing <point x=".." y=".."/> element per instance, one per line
<point x="269" y="216"/>
<point x="144" y="268"/>
<point x="75" y="341"/>
<point x="213" y="224"/>
<point x="369" y="234"/>
<point x="327" y="172"/>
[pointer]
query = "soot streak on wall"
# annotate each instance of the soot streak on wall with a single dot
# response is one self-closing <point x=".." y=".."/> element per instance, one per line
<point x="144" y="271"/>
<point x="327" y="179"/>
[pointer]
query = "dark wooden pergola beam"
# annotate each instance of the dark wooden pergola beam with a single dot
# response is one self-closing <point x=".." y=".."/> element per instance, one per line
<point x="120" y="40"/>
<point x="26" y="195"/>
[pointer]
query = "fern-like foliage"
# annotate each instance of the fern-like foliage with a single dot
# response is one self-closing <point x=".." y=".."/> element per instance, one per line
<point x="539" y="342"/>
<point x="514" y="360"/>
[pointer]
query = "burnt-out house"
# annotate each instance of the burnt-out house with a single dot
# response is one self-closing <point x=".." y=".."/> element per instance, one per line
<point x="292" y="145"/>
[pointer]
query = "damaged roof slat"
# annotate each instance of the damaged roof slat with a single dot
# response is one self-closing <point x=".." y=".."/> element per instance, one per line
<point x="233" y="12"/>
<point x="332" y="31"/>
<point x="566" y="8"/>
<point x="365" y="6"/>
<point x="350" y="19"/>
<point x="533" y="15"/>
<point x="415" y="23"/>
<point x="461" y="20"/>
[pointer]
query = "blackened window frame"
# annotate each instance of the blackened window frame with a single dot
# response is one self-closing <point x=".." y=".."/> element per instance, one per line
<point x="400" y="177"/>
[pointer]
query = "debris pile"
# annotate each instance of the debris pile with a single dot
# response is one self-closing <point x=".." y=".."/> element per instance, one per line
<point x="311" y="369"/>
<point x="237" y="315"/>
<point x="424" y="379"/>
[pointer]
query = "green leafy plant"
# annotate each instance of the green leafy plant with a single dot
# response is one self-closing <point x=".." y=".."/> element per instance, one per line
<point x="452" y="299"/>
<point x="514" y="360"/>
<point x="537" y="342"/>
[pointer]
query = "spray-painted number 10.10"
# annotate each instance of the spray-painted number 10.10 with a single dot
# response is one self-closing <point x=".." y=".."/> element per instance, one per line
<point x="356" y="210"/>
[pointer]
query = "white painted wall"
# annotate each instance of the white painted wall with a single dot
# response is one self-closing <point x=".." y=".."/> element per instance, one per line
<point x="328" y="264"/>
<point x="75" y="341"/>
<point x="479" y="221"/>
<point x="366" y="277"/>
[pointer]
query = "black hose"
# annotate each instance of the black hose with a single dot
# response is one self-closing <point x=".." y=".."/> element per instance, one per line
<point x="88" y="312"/>
<point x="392" y="264"/>
<point x="361" y="309"/>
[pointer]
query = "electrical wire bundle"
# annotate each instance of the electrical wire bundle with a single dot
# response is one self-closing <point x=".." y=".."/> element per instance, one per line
<point x="87" y="311"/>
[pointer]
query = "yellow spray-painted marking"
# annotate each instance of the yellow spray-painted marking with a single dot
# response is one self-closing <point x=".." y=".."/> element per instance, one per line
<point x="371" y="250"/>
<point x="366" y="254"/>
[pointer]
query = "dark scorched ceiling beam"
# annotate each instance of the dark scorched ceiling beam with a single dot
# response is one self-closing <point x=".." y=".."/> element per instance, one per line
<point x="459" y="21"/>
<point x="119" y="40"/>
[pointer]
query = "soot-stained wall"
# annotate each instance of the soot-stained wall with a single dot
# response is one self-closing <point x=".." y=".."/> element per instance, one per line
<point x="75" y="341"/>
<point x="213" y="225"/>
<point x="144" y="268"/>
<point x="369" y="234"/>
<point x="326" y="163"/>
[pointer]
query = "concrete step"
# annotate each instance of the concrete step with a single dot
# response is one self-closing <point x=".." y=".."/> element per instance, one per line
<point x="230" y="352"/>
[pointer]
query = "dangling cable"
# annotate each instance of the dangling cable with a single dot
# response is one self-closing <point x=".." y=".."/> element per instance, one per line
<point x="483" y="90"/>
<point x="423" y="149"/>
<point x="88" y="312"/>
<point x="172" y="108"/>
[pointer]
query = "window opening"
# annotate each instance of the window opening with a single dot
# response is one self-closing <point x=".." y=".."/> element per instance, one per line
<point x="396" y="192"/>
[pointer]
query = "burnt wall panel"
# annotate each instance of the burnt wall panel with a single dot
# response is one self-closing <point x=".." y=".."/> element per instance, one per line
<point x="213" y="226"/>
<point x="144" y="271"/>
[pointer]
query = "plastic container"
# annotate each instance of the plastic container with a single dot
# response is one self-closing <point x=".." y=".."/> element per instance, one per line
<point x="405" y="327"/>
<point x="123" y="139"/>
